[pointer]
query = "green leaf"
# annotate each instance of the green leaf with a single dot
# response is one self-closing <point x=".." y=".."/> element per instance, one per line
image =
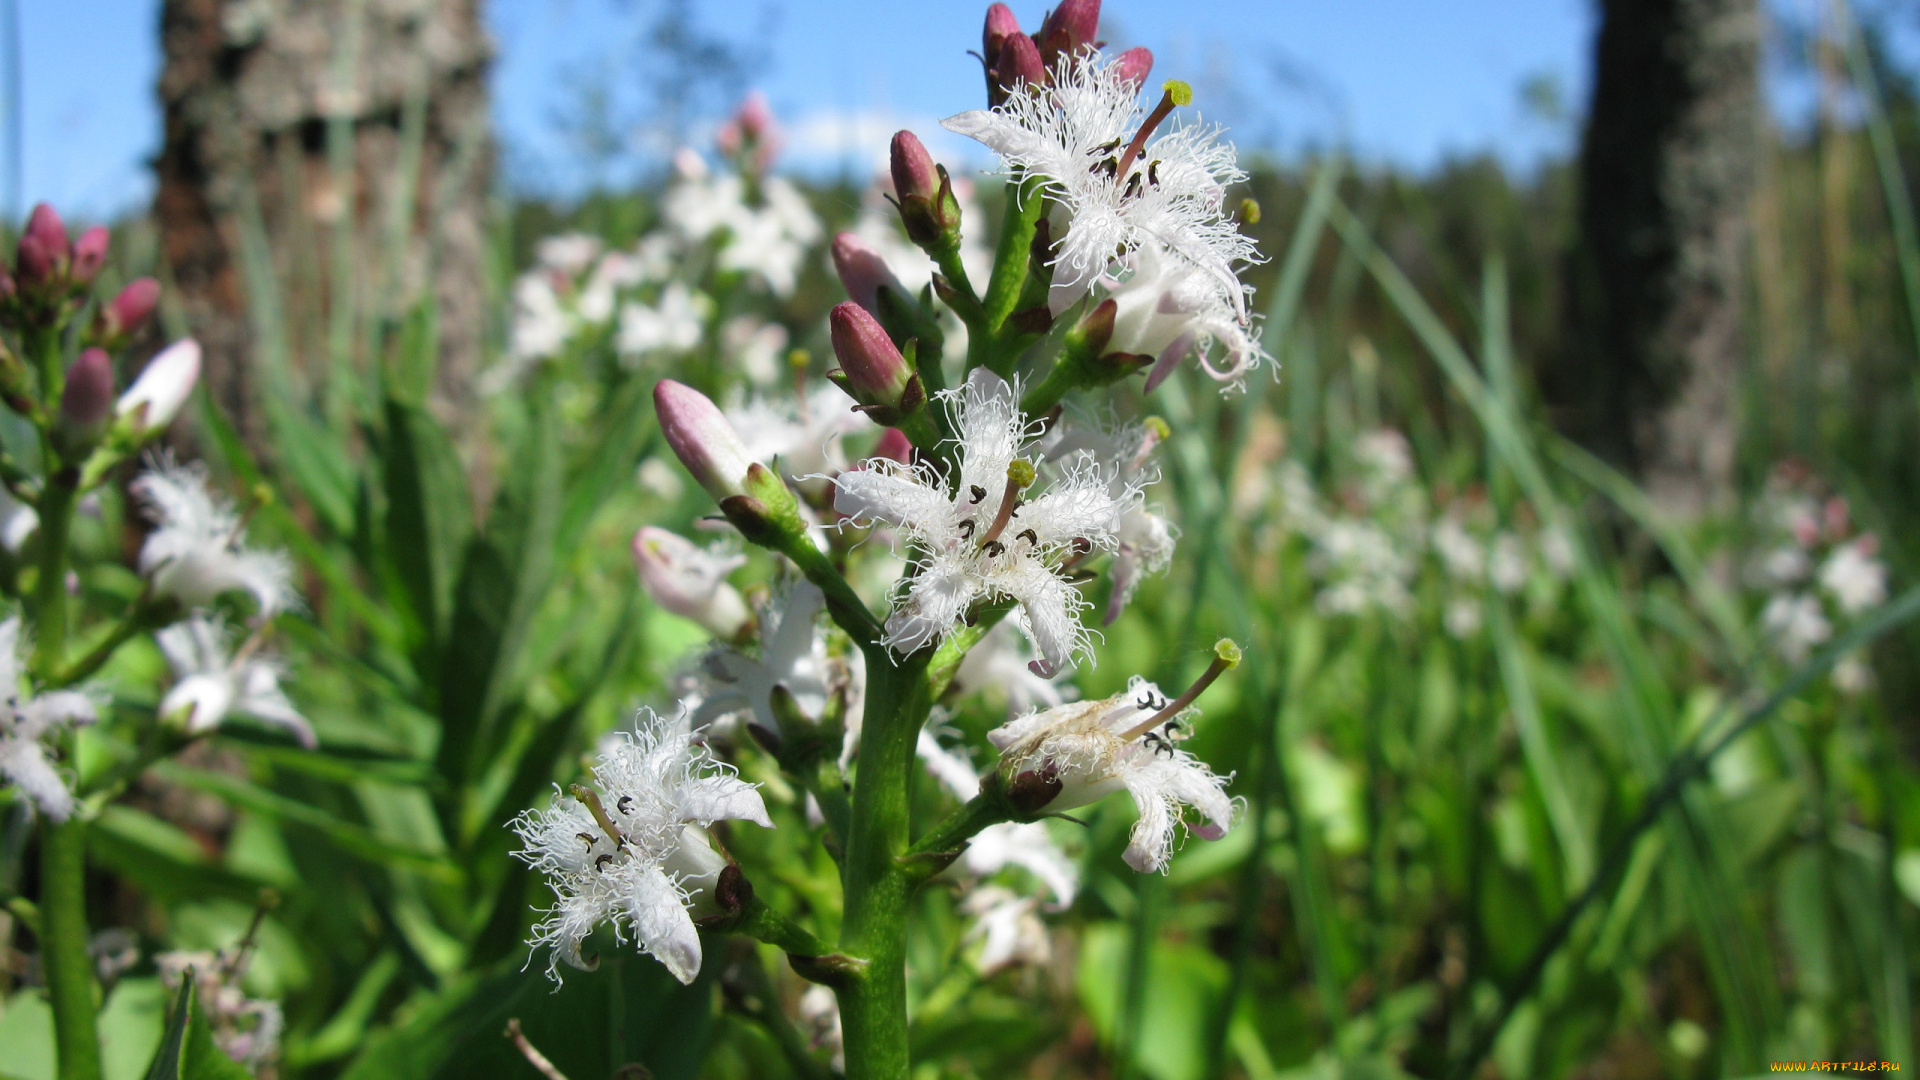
<point x="429" y="518"/>
<point x="502" y="581"/>
<point x="628" y="1010"/>
<point x="186" y="1050"/>
<point x="315" y="463"/>
<point x="626" y="435"/>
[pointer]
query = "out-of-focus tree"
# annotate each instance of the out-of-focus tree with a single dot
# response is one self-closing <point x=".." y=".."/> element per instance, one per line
<point x="326" y="167"/>
<point x="1650" y="373"/>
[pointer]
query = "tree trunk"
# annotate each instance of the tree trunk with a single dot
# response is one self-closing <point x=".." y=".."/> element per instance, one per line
<point x="325" y="168"/>
<point x="1650" y="374"/>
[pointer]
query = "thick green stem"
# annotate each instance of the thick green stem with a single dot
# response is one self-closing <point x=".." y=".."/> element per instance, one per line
<point x="932" y="852"/>
<point x="873" y="1006"/>
<point x="63" y="948"/>
<point x="50" y="592"/>
<point x="1011" y="260"/>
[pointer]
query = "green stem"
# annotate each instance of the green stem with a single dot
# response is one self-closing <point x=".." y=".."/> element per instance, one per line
<point x="873" y="1006"/>
<point x="762" y="923"/>
<point x="843" y="604"/>
<point x="930" y="854"/>
<point x="63" y="950"/>
<point x="1010" y="263"/>
<point x="139" y="618"/>
<point x="1062" y="377"/>
<point x="955" y="271"/>
<point x="50" y="592"/>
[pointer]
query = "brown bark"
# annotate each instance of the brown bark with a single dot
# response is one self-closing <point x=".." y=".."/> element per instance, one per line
<point x="1651" y="373"/>
<point x="256" y="93"/>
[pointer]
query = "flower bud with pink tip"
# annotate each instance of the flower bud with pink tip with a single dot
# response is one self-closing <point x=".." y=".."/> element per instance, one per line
<point x="89" y="255"/>
<point x="928" y="208"/>
<point x="691" y="581"/>
<point x="163" y="386"/>
<point x="872" y="371"/>
<point x="702" y="438"/>
<point x="1067" y="30"/>
<point x="124" y="315"/>
<point x="1136" y="64"/>
<point x="863" y="272"/>
<point x="44" y="254"/>
<point x="85" y="403"/>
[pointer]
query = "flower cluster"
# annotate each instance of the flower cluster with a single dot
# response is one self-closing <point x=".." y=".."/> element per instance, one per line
<point x="1814" y="572"/>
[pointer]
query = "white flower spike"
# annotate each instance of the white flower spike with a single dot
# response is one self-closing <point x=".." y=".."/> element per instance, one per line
<point x="25" y="721"/>
<point x="632" y="851"/>
<point x="984" y="541"/>
<point x="210" y="684"/>
<point x="198" y="549"/>
<point x="1078" y="754"/>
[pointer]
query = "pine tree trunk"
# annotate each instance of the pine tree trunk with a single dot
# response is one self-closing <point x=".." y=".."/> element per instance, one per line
<point x="288" y="121"/>
<point x="1650" y="375"/>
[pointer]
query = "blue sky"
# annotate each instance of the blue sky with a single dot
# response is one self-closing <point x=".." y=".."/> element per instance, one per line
<point x="1402" y="81"/>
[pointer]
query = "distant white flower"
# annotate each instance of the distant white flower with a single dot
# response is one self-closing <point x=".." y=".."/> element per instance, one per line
<point x="1460" y="554"/>
<point x="1462" y="617"/>
<point x="803" y="432"/>
<point x="1507" y="563"/>
<point x="1852" y="675"/>
<point x="1385" y="459"/>
<point x="691" y="581"/>
<point x="1363" y="568"/>
<point x="674" y="324"/>
<point x="1008" y="927"/>
<point x="541" y="323"/>
<point x="26" y="721"/>
<point x="1557" y="552"/>
<point x="197" y="550"/>
<point x="1796" y="624"/>
<point x="17" y="522"/>
<point x="982" y="541"/>
<point x="1026" y="845"/>
<point x="640" y="860"/>
<point x="1095" y="748"/>
<point x="1854" y="578"/>
<point x="757" y="349"/>
<point x="820" y="1019"/>
<point x="1107" y="200"/>
<point x="771" y="241"/>
<point x="1786" y="564"/>
<point x="569" y="253"/>
<point x="1000" y="665"/>
<point x="245" y="1029"/>
<point x="210" y="683"/>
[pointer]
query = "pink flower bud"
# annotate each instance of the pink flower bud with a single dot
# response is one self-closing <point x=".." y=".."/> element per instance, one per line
<point x="1020" y="62"/>
<point x="1135" y="65"/>
<point x="1001" y="25"/>
<point x="872" y="370"/>
<point x="1068" y="28"/>
<point x="129" y="311"/>
<point x="701" y="438"/>
<point x="89" y="254"/>
<point x="163" y="387"/>
<point x="44" y="251"/>
<point x="894" y="445"/>
<point x="755" y="117"/>
<point x="863" y="272"/>
<point x="691" y="581"/>
<point x="87" y="400"/>
<point x="913" y="170"/>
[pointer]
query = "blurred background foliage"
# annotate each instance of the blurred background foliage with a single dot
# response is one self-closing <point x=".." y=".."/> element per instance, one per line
<point x="1433" y="772"/>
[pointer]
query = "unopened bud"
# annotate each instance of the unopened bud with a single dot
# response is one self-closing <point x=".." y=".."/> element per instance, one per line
<point x="1068" y="29"/>
<point x="701" y="438"/>
<point x="912" y="167"/>
<point x="44" y="252"/>
<point x="87" y="400"/>
<point x="863" y="272"/>
<point x="1001" y="25"/>
<point x="894" y="446"/>
<point x="690" y="580"/>
<point x="125" y="314"/>
<point x="164" y="385"/>
<point x="1019" y="65"/>
<point x="1135" y="65"/>
<point x="89" y="255"/>
<point x="872" y="371"/>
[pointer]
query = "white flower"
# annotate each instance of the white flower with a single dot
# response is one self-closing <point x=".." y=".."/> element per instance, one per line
<point x="569" y="253"/>
<point x="691" y="581"/>
<point x="770" y="241"/>
<point x="1167" y="309"/>
<point x="1787" y="564"/>
<point x="1854" y="578"/>
<point x="640" y="860"/>
<point x="1556" y="550"/>
<point x="25" y="721"/>
<point x="210" y="683"/>
<point x="1000" y="664"/>
<point x="17" y="522"/>
<point x="162" y="387"/>
<point x="982" y="542"/>
<point x="820" y="1019"/>
<point x="1365" y="569"/>
<point x="674" y="324"/>
<point x="1026" y="845"/>
<point x="803" y="432"/>
<point x="1145" y="538"/>
<point x="1075" y="135"/>
<point x="757" y="349"/>
<point x="245" y="1029"/>
<point x="1008" y="927"/>
<point x="793" y="654"/>
<point x="1092" y="749"/>
<point x="1796" y="624"/>
<point x="541" y="323"/>
<point x="1462" y="617"/>
<point x="1507" y="564"/>
<point x="197" y="550"/>
<point x="1462" y="555"/>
